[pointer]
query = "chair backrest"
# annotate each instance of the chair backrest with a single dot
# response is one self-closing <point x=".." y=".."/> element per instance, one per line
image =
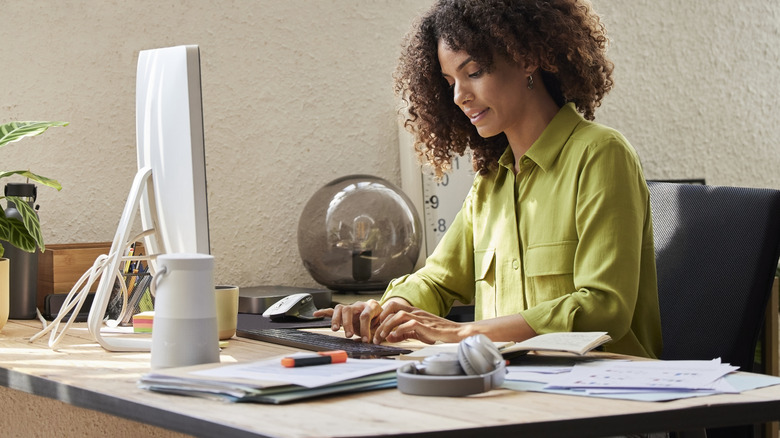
<point x="716" y="251"/>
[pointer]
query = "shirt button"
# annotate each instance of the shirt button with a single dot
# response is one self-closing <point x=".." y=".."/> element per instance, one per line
<point x="515" y="264"/>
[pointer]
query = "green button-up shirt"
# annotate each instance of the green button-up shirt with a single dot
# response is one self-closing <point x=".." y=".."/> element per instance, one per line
<point x="567" y="241"/>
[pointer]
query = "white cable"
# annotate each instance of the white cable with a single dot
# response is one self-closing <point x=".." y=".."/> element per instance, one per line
<point x="78" y="295"/>
<point x="73" y="300"/>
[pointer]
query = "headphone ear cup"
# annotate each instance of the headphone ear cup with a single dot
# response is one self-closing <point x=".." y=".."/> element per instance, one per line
<point x="478" y="355"/>
<point x="471" y="363"/>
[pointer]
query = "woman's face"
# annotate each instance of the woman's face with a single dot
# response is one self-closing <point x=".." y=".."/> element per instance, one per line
<point x="495" y="102"/>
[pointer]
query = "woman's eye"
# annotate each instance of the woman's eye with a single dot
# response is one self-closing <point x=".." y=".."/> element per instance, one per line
<point x="476" y="74"/>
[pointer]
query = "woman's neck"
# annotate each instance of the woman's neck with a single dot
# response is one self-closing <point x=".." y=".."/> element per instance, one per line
<point x="531" y="127"/>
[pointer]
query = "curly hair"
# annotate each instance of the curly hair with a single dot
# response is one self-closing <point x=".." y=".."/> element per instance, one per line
<point x="564" y="37"/>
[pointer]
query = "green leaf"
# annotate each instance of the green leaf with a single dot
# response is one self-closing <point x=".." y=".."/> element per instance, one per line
<point x="27" y="174"/>
<point x="32" y="224"/>
<point x="14" y="232"/>
<point x="15" y="131"/>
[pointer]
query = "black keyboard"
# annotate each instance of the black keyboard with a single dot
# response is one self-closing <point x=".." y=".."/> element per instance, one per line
<point x="320" y="342"/>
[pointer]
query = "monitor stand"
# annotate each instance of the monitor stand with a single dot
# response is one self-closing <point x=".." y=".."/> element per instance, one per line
<point x="110" y="272"/>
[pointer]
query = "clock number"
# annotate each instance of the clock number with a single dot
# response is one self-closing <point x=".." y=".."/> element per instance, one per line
<point x="445" y="180"/>
<point x="433" y="201"/>
<point x="442" y="225"/>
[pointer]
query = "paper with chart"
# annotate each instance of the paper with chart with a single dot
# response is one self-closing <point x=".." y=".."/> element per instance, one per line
<point x="653" y="381"/>
<point x="644" y="375"/>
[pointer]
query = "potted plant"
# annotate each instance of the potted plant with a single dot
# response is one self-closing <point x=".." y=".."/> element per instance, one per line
<point x="24" y="234"/>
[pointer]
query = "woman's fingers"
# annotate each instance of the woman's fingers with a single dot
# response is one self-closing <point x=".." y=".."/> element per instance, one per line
<point x="324" y="312"/>
<point x="336" y="318"/>
<point x="358" y="318"/>
<point x="392" y="306"/>
<point x="417" y="324"/>
<point x="366" y="318"/>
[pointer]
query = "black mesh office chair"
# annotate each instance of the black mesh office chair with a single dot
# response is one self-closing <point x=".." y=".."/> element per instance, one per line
<point x="716" y="250"/>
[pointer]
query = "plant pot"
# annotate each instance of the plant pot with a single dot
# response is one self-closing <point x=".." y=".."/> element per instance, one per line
<point x="4" y="279"/>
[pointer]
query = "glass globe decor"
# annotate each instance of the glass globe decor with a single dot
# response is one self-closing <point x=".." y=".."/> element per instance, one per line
<point x="357" y="233"/>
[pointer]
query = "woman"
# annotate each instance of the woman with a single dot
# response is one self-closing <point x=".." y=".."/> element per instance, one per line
<point x="556" y="233"/>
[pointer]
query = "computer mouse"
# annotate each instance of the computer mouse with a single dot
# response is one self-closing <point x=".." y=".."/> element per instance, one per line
<point x="295" y="307"/>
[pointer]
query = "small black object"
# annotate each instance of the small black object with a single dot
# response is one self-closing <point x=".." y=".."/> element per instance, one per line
<point x="53" y="303"/>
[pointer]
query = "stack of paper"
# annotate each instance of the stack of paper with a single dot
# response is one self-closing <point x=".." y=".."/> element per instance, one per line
<point x="636" y="380"/>
<point x="604" y="377"/>
<point x="143" y="322"/>
<point x="269" y="382"/>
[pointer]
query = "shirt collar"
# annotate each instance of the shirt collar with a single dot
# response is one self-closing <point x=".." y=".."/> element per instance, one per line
<point x="548" y="146"/>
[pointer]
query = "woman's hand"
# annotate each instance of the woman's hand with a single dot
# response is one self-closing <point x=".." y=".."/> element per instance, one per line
<point x="398" y="323"/>
<point x="412" y="323"/>
<point x="356" y="318"/>
<point x="362" y="318"/>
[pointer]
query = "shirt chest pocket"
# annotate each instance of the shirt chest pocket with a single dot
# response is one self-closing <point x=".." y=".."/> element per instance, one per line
<point x="550" y="271"/>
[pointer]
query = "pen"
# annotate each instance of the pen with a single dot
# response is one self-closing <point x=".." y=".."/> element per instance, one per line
<point x="320" y="358"/>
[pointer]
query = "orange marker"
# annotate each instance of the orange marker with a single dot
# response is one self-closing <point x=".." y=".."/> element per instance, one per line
<point x="320" y="358"/>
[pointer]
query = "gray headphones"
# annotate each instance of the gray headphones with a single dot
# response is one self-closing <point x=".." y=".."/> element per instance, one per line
<point x="477" y="367"/>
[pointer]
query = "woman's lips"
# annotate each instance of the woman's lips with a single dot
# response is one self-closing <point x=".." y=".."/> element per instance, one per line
<point x="476" y="116"/>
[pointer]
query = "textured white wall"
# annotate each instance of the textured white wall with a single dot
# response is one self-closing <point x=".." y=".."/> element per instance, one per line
<point x="696" y="87"/>
<point x="297" y="93"/>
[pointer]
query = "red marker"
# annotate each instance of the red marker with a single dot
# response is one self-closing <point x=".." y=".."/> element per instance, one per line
<point x="320" y="358"/>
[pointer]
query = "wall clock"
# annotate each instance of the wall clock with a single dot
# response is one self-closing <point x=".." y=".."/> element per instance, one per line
<point x="437" y="202"/>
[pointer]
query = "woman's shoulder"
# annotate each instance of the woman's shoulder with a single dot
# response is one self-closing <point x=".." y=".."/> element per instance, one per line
<point x="593" y="133"/>
<point x="592" y="138"/>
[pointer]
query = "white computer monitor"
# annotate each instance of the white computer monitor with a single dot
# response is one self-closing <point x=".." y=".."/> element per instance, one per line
<point x="169" y="136"/>
<point x="169" y="190"/>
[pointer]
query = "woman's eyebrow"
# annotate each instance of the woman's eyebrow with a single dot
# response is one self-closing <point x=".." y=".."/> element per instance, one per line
<point x="460" y="67"/>
<point x="464" y="63"/>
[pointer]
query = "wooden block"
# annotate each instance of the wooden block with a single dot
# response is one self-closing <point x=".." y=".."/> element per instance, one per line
<point x="61" y="265"/>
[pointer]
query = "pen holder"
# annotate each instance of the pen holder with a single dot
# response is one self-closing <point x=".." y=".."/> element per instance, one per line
<point x="184" y="331"/>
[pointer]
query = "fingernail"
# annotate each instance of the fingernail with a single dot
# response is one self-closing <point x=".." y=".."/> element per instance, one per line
<point x="365" y="339"/>
<point x="334" y="327"/>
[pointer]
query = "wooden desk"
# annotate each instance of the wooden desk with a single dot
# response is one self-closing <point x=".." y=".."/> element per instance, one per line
<point x="82" y="374"/>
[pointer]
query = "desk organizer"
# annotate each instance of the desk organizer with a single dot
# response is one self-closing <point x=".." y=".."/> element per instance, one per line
<point x="61" y="265"/>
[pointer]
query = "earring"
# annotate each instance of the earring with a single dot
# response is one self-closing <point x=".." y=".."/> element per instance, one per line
<point x="530" y="82"/>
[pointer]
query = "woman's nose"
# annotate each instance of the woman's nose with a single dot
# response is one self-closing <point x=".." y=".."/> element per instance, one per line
<point x="460" y="94"/>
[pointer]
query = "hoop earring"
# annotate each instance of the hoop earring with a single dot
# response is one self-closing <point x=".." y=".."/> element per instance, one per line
<point x="530" y="82"/>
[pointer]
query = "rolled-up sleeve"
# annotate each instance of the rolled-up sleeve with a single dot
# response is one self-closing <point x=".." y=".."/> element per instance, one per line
<point x="448" y="274"/>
